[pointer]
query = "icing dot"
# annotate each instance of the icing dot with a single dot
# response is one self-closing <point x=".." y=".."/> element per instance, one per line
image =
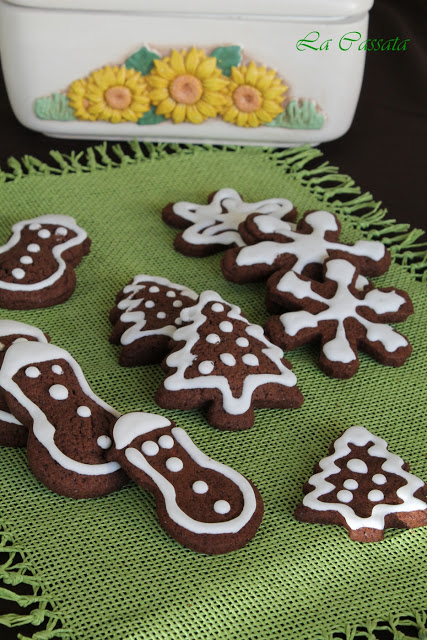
<point x="166" y="442"/>
<point x="242" y="342"/>
<point x="161" y="315"/>
<point x="150" y="448"/>
<point x="32" y="372"/>
<point x="178" y="321"/>
<point x="206" y="367"/>
<point x="104" y="442"/>
<point x="200" y="487"/>
<point x="177" y="303"/>
<point x="226" y="326"/>
<point x="351" y="484"/>
<point x="375" y="495"/>
<point x="250" y="359"/>
<point x="20" y="340"/>
<point x="26" y="260"/>
<point x="2" y="346"/>
<point x="213" y="338"/>
<point x="84" y="412"/>
<point x="154" y="289"/>
<point x="357" y="465"/>
<point x="150" y="304"/>
<point x="61" y="231"/>
<point x="33" y="248"/>
<point x="58" y="392"/>
<point x="171" y="294"/>
<point x="56" y="368"/>
<point x="222" y="507"/>
<point x="344" y="496"/>
<point x="174" y="464"/>
<point x="217" y="307"/>
<point x="44" y="233"/>
<point x="35" y="226"/>
<point x="228" y="359"/>
<point x="18" y="273"/>
<point x="379" y="478"/>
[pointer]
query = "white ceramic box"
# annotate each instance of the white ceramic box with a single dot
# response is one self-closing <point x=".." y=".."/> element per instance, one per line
<point x="270" y="72"/>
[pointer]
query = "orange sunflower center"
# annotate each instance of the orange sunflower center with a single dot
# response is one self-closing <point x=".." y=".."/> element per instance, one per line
<point x="118" y="97"/>
<point x="247" y="98"/>
<point x="186" y="89"/>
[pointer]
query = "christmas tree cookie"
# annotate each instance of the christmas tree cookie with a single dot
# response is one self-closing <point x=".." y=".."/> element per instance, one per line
<point x="365" y="488"/>
<point x="341" y="316"/>
<point x="209" y="228"/>
<point x="222" y="361"/>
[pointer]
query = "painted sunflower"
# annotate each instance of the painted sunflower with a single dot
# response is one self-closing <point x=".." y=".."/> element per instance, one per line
<point x="79" y="102"/>
<point x="187" y="86"/>
<point x="115" y="94"/>
<point x="256" y="96"/>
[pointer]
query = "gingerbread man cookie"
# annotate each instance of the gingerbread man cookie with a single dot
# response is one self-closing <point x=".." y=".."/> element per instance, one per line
<point x="201" y="503"/>
<point x="70" y="428"/>
<point x="341" y="316"/>
<point x="365" y="488"/>
<point x="277" y="245"/>
<point x="37" y="263"/>
<point x="145" y="317"/>
<point x="209" y="228"/>
<point x="223" y="361"/>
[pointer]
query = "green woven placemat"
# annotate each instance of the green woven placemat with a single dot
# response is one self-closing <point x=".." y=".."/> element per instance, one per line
<point x="104" y="569"/>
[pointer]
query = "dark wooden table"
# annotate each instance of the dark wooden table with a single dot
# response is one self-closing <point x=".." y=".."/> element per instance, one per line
<point x="384" y="151"/>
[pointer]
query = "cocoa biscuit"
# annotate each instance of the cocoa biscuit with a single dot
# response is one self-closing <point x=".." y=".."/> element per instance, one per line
<point x="222" y="361"/>
<point x="275" y="245"/>
<point x="145" y="317"/>
<point x="201" y="503"/>
<point x="12" y="432"/>
<point x="339" y="315"/>
<point x="210" y="228"/>
<point x="70" y="428"/>
<point x="37" y="263"/>
<point x="365" y="488"/>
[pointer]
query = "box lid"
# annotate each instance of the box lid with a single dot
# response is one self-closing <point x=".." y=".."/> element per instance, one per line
<point x="292" y="8"/>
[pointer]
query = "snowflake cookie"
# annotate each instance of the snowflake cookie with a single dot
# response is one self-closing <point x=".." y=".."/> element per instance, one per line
<point x="37" y="263"/>
<point x="223" y="361"/>
<point x="145" y="316"/>
<point x="209" y="228"/>
<point x="277" y="245"/>
<point x="365" y="488"/>
<point x="343" y="317"/>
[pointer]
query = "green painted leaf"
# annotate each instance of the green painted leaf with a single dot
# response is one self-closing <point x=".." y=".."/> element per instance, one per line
<point x="151" y="117"/>
<point x="227" y="57"/>
<point x="142" y="60"/>
<point x="299" y="114"/>
<point x="54" y="107"/>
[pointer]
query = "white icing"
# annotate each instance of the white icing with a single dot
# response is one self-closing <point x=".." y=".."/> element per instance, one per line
<point x="161" y="315"/>
<point x="18" y="273"/>
<point x="200" y="487"/>
<point x="184" y="357"/>
<point x="84" y="411"/>
<point x="5" y="416"/>
<point x="228" y="359"/>
<point x="175" y="513"/>
<point x="345" y="496"/>
<point x="226" y="326"/>
<point x="341" y="306"/>
<point x="32" y="372"/>
<point x="217" y="307"/>
<point x="242" y="342"/>
<point x="150" y="448"/>
<point x="58" y="392"/>
<point x="57" y="251"/>
<point x="213" y="338"/>
<point x="206" y="367"/>
<point x="357" y="465"/>
<point x="13" y="327"/>
<point x="166" y="442"/>
<point x="222" y="507"/>
<point x="19" y="340"/>
<point x="150" y="304"/>
<point x="250" y="359"/>
<point x="34" y="226"/>
<point x="132" y="425"/>
<point x="351" y="484"/>
<point x="61" y="231"/>
<point x="44" y="233"/>
<point x="104" y="442"/>
<point x="307" y="248"/>
<point x="379" y="478"/>
<point x="174" y="464"/>
<point x="375" y="495"/>
<point x="136" y="316"/>
<point x="360" y="437"/>
<point x="154" y="289"/>
<point x="26" y="260"/>
<point x="218" y="221"/>
<point x="30" y="353"/>
<point x="177" y="304"/>
<point x="56" y="368"/>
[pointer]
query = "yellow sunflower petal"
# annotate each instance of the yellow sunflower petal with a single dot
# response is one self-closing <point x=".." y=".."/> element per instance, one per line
<point x="163" y="69"/>
<point x="206" y="68"/>
<point x="192" y="60"/>
<point x="242" y="119"/>
<point x="252" y="74"/>
<point x="207" y="109"/>
<point x="176" y="62"/>
<point x="179" y="113"/>
<point x="237" y="75"/>
<point x="272" y="107"/>
<point x="157" y="95"/>
<point x="253" y="120"/>
<point x="215" y="84"/>
<point x="194" y="115"/>
<point x="166" y="107"/>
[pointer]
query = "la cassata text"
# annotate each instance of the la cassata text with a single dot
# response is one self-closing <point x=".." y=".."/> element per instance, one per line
<point x="353" y="39"/>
